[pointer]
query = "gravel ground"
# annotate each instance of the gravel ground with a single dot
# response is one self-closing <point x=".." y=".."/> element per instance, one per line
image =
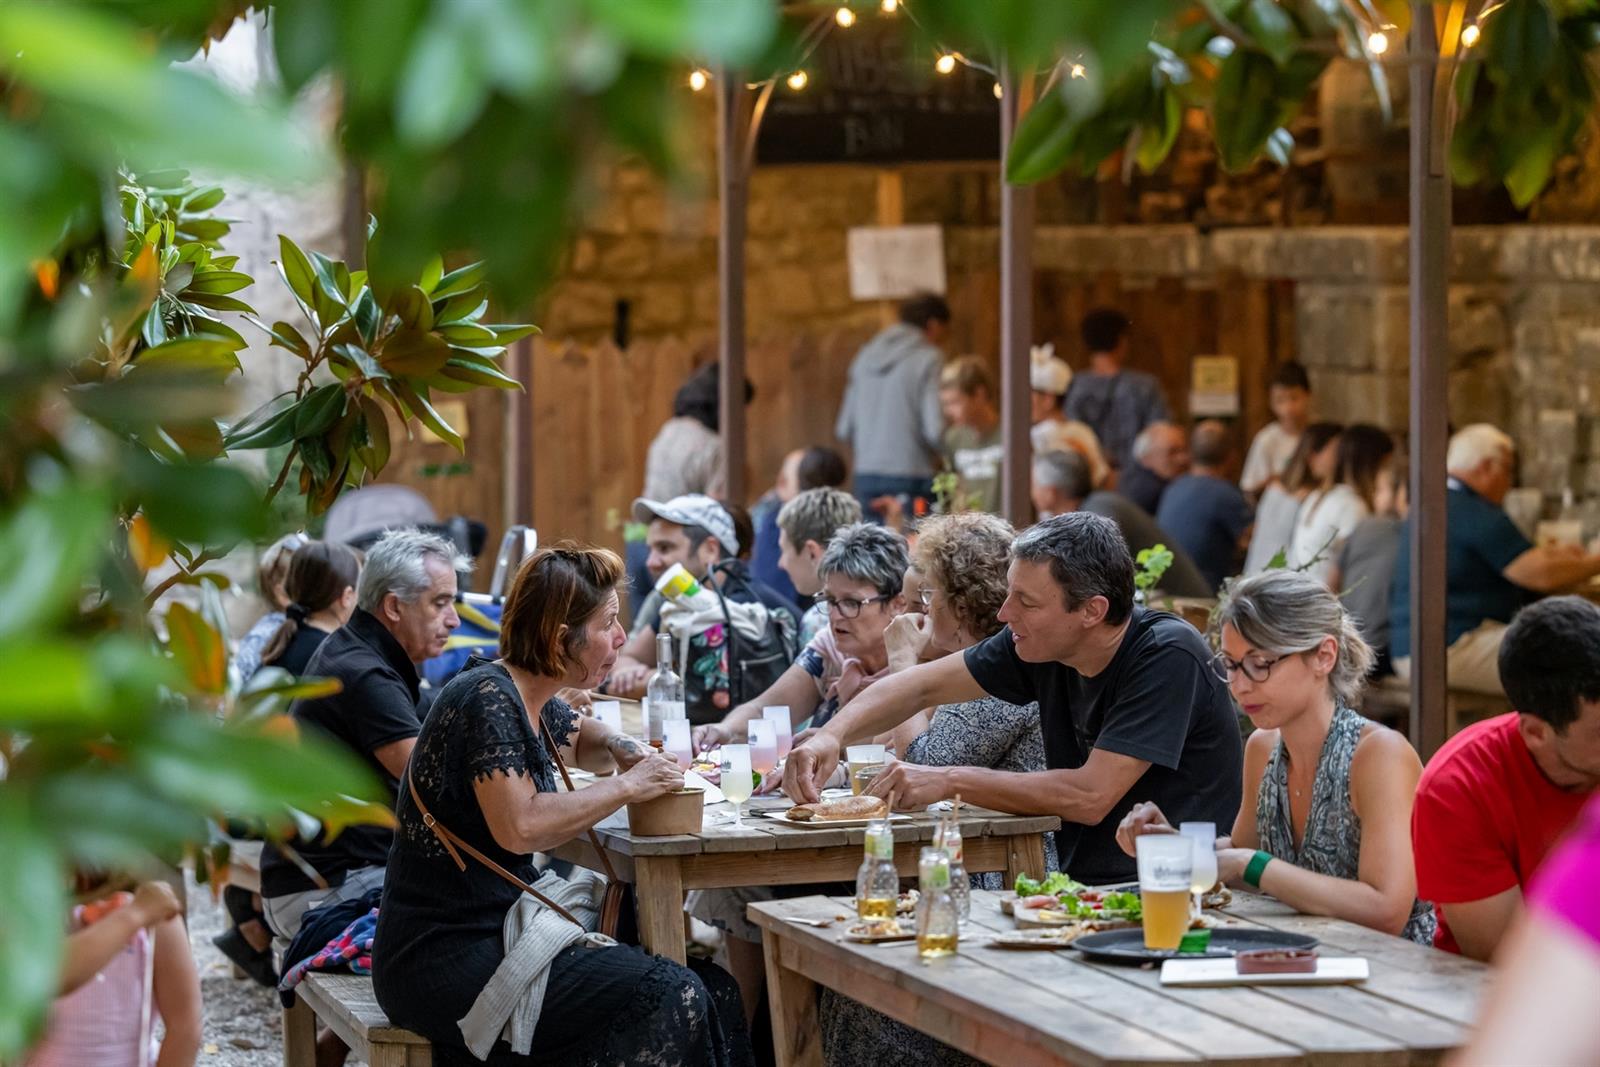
<point x="243" y="1027"/>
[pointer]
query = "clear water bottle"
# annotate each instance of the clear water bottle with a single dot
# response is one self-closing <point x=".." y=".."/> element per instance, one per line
<point x="960" y="886"/>
<point x="877" y="882"/>
<point x="664" y="691"/>
<point x="938" y="923"/>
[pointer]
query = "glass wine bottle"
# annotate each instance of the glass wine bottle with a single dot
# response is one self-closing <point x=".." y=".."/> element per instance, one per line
<point x="664" y="690"/>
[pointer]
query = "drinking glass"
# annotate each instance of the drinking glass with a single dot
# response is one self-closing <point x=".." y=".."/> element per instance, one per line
<point x="610" y="713"/>
<point x="676" y="741"/>
<point x="1204" y="836"/>
<point x="736" y="784"/>
<point x="763" y="746"/>
<point x="865" y="762"/>
<point x="1166" y="866"/>
<point x="778" y="715"/>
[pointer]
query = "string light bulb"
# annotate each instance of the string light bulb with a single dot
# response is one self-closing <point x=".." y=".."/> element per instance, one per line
<point x="1077" y="71"/>
<point x="999" y="93"/>
<point x="889" y="7"/>
<point x="1378" y="42"/>
<point x="1470" y="34"/>
<point x="844" y="17"/>
<point x="699" y="78"/>
<point x="945" y="63"/>
<point x="797" y="80"/>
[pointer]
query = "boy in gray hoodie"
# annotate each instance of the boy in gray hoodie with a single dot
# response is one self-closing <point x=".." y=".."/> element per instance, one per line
<point x="890" y="415"/>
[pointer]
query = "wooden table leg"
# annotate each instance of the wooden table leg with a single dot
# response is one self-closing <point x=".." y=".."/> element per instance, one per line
<point x="299" y="1035"/>
<point x="1024" y="856"/>
<point x="792" y="997"/>
<point x="658" y="888"/>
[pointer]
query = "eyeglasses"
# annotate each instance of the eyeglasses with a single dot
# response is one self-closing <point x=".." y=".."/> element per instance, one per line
<point x="1254" y="666"/>
<point x="847" y="607"/>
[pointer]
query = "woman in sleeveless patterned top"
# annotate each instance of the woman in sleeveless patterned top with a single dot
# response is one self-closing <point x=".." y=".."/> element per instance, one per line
<point x="1325" y="825"/>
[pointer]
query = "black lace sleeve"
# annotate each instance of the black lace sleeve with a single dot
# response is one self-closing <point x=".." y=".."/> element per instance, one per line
<point x="496" y="734"/>
<point x="562" y="721"/>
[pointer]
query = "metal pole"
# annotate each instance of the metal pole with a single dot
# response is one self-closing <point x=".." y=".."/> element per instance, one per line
<point x="1429" y="262"/>
<point x="733" y="191"/>
<point x="1016" y="311"/>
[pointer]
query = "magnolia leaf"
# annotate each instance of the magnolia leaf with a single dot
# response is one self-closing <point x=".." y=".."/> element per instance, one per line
<point x="48" y="548"/>
<point x="1273" y="29"/>
<point x="318" y="411"/>
<point x="33" y="882"/>
<point x="297" y="272"/>
<point x="459" y="281"/>
<point x="199" y="649"/>
<point x="375" y="454"/>
<point x="430" y="418"/>
<point x="414" y="354"/>
<point x="146" y="548"/>
<point x="51" y="682"/>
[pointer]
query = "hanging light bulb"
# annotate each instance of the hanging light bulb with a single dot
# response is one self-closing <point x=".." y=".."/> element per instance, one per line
<point x="797" y="80"/>
<point x="888" y="7"/>
<point x="1378" y="42"/>
<point x="1077" y="71"/>
<point x="845" y="17"/>
<point x="945" y="63"/>
<point x="1470" y="35"/>
<point x="999" y="93"/>
<point x="699" y="78"/>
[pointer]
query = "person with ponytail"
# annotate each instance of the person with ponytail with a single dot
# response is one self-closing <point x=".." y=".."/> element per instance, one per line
<point x="321" y="587"/>
<point x="1325" y="825"/>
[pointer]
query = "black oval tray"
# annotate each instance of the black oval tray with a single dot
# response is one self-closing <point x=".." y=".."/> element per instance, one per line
<point x="1127" y="946"/>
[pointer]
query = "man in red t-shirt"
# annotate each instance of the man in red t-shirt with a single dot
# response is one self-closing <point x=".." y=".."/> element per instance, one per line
<point x="1498" y="795"/>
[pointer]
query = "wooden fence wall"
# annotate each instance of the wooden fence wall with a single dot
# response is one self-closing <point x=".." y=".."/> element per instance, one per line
<point x="592" y="410"/>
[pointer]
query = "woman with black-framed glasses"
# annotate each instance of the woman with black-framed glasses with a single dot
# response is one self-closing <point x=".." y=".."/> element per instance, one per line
<point x="1325" y="825"/>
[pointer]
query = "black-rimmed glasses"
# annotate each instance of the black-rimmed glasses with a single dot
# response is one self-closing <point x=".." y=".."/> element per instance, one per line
<point x="1254" y="666"/>
<point x="848" y="607"/>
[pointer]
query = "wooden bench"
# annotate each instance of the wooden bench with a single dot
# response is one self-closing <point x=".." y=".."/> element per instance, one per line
<point x="345" y="1003"/>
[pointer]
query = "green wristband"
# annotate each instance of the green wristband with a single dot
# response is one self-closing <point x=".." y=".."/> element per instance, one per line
<point x="1253" y="869"/>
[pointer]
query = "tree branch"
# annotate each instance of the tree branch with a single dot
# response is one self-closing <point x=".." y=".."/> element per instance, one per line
<point x="179" y="575"/>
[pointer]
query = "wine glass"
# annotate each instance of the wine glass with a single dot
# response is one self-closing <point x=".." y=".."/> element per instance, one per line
<point x="778" y="715"/>
<point x="736" y="784"/>
<point x="1204" y="874"/>
<point x="763" y="746"/>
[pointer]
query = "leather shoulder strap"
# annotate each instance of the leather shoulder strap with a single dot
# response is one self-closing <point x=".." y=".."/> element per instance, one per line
<point x="561" y="765"/>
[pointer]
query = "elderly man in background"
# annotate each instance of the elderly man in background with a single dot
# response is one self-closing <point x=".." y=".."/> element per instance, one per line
<point x="405" y="611"/>
<point x="1160" y="455"/>
<point x="1061" y="486"/>
<point x="1206" y="511"/>
<point x="1491" y="569"/>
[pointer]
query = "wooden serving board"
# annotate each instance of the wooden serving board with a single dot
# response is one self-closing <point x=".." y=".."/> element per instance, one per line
<point x="1331" y="970"/>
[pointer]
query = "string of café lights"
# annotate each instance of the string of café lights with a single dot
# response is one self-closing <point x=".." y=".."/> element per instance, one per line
<point x="844" y="17"/>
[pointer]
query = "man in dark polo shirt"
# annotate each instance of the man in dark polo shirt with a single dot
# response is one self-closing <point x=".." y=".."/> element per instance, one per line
<point x="1129" y="706"/>
<point x="404" y="614"/>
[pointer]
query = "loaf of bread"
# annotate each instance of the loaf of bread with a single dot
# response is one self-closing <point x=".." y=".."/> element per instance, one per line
<point x="844" y="808"/>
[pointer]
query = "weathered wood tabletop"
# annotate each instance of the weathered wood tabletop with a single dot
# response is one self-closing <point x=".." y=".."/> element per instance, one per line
<point x="1020" y="1008"/>
<point x="764" y="852"/>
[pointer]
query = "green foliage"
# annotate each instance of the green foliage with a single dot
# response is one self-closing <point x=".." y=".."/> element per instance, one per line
<point x="1150" y="565"/>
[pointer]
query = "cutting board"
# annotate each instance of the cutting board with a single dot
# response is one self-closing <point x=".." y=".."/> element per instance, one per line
<point x="1330" y="970"/>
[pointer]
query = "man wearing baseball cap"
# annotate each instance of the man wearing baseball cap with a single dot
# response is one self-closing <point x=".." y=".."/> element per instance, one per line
<point x="698" y="532"/>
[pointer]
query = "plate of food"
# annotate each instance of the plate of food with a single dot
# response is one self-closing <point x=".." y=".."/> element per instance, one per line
<point x="1060" y="893"/>
<point x="875" y="931"/>
<point x="846" y="811"/>
<point x="1059" y="937"/>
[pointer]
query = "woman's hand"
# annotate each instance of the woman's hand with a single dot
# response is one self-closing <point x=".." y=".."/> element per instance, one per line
<point x="653" y="776"/>
<point x="1145" y="818"/>
<point x="907" y="639"/>
<point x="1231" y="863"/>
<point x="154" y="903"/>
<point x="710" y="736"/>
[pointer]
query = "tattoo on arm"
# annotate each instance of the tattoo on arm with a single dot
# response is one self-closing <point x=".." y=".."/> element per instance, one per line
<point x="625" y="749"/>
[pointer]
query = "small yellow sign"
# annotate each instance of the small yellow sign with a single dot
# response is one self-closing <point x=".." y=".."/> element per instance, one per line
<point x="1214" y="374"/>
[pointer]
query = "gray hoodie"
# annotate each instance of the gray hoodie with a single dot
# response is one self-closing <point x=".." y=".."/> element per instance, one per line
<point x="890" y="416"/>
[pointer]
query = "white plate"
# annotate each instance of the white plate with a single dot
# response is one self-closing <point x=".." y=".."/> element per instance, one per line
<point x="823" y="824"/>
<point x="1331" y="970"/>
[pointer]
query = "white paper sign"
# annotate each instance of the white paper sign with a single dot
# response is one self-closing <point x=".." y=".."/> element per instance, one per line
<point x="891" y="262"/>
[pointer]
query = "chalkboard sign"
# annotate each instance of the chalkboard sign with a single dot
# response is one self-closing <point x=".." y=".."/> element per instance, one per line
<point x="872" y="96"/>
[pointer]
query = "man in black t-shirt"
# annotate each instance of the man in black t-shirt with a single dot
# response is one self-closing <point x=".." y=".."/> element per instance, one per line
<point x="405" y="612"/>
<point x="1129" y="706"/>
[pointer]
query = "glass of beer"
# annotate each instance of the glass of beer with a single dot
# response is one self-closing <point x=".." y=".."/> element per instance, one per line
<point x="1166" y="866"/>
<point x="864" y="762"/>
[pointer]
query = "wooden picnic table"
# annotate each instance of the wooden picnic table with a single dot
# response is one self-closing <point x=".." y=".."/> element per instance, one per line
<point x="767" y="853"/>
<point x="1034" y="1007"/>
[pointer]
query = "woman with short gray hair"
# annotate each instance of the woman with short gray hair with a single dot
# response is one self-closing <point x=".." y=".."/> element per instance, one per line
<point x="1326" y="821"/>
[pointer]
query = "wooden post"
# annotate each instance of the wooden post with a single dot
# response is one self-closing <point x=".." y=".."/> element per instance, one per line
<point x="891" y="212"/>
<point x="519" y="436"/>
<point x="1430" y="267"/>
<point x="733" y="192"/>
<point x="1016" y="311"/>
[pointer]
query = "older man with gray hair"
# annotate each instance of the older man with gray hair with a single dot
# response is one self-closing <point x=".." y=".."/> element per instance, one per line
<point x="405" y="611"/>
<point x="1491" y="569"/>
<point x="1160" y="454"/>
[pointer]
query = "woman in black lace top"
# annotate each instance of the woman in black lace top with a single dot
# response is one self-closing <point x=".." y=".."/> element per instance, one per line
<point x="483" y="771"/>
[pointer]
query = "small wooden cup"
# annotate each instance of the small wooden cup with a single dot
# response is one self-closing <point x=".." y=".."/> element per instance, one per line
<point x="678" y="812"/>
